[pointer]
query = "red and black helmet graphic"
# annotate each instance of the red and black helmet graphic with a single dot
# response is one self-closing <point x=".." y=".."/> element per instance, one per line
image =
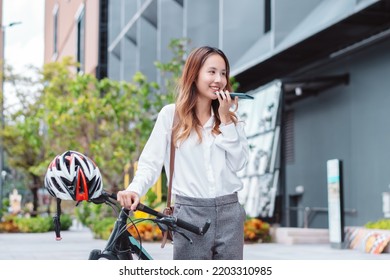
<point x="73" y="176"/>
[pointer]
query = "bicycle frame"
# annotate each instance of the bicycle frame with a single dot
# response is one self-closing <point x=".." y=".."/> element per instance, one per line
<point x="121" y="245"/>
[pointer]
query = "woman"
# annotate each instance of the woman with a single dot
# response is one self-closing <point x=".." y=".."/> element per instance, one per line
<point x="211" y="147"/>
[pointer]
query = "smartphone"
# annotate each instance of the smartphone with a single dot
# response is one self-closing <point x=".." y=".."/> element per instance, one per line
<point x="241" y="95"/>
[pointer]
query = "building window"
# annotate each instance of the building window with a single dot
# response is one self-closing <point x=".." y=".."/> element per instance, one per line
<point x="55" y="30"/>
<point x="80" y="48"/>
<point x="267" y="16"/>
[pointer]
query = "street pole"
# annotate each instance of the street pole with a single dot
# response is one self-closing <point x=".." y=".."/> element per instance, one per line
<point x="2" y="125"/>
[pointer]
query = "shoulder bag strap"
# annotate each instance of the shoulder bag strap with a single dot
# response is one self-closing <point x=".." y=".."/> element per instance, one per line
<point x="169" y="193"/>
<point x="171" y="163"/>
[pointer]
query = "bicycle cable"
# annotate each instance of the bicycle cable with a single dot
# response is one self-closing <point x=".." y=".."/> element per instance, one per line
<point x="124" y="229"/>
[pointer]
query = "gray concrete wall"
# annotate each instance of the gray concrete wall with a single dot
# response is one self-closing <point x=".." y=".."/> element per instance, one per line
<point x="286" y="15"/>
<point x="350" y="123"/>
<point x="346" y="122"/>
<point x="147" y="49"/>
<point x="170" y="27"/>
<point x="201" y="22"/>
<point x="242" y="26"/>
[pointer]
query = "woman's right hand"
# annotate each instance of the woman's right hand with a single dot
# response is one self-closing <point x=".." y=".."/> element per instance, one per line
<point x="225" y="103"/>
<point x="128" y="199"/>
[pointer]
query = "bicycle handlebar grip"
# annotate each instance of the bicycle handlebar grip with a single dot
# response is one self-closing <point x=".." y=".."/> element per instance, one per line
<point x="192" y="228"/>
<point x="180" y="223"/>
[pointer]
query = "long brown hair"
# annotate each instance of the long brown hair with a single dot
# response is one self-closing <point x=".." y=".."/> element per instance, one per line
<point x="187" y="95"/>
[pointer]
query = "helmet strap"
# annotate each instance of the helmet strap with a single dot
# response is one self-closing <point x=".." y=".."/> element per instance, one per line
<point x="56" y="221"/>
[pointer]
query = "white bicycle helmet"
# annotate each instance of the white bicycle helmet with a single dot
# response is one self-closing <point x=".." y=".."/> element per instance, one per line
<point x="73" y="176"/>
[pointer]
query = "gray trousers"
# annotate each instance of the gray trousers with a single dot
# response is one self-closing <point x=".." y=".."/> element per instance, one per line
<point x="225" y="238"/>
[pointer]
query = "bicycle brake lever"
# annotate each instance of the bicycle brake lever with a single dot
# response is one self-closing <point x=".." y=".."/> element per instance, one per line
<point x="162" y="227"/>
<point x="165" y="223"/>
<point x="184" y="235"/>
<point x="103" y="198"/>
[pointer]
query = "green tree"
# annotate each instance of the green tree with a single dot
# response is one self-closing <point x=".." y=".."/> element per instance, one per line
<point x="110" y="121"/>
<point x="22" y="137"/>
<point x="107" y="120"/>
<point x="171" y="71"/>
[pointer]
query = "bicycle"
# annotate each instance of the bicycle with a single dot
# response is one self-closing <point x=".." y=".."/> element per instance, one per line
<point x="122" y="245"/>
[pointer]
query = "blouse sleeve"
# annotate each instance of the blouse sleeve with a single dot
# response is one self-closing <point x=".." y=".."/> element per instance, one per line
<point x="152" y="157"/>
<point x="233" y="140"/>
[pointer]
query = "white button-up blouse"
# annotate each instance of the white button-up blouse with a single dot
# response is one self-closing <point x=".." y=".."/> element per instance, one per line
<point x="204" y="169"/>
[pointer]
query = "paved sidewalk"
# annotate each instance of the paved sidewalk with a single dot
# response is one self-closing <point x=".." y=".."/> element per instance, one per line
<point x="76" y="245"/>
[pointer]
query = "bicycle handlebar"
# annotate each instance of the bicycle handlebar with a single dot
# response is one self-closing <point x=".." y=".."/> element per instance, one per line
<point x="179" y="222"/>
<point x="143" y="208"/>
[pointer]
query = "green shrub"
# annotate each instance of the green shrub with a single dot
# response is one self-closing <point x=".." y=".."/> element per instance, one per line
<point x="83" y="212"/>
<point x="4" y="209"/>
<point x="66" y="222"/>
<point x="102" y="228"/>
<point x="89" y="213"/>
<point x="379" y="224"/>
<point x="34" y="224"/>
<point x="41" y="224"/>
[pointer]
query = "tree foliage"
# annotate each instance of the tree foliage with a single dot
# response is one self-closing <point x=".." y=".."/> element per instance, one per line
<point x="109" y="121"/>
